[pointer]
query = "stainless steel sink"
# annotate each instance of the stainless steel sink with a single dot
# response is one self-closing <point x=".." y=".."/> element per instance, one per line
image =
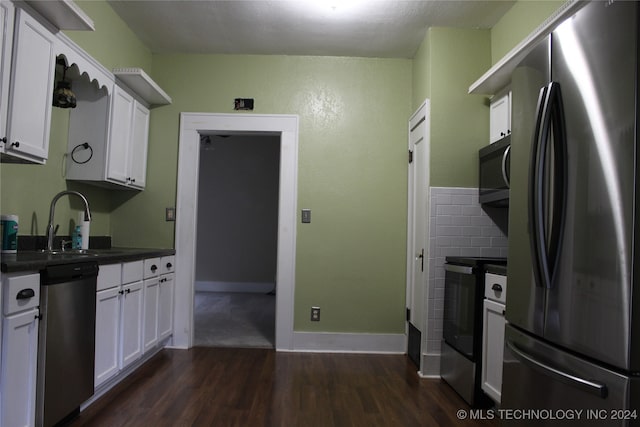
<point x="76" y="252"/>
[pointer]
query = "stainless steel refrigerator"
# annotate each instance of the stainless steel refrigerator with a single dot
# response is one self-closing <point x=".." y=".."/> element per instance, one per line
<point x="572" y="342"/>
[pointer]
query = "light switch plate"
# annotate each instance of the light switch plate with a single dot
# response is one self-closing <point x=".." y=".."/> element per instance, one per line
<point x="306" y="216"/>
<point x="170" y="214"/>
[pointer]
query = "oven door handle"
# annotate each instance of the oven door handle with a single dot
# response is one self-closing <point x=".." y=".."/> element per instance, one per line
<point x="458" y="268"/>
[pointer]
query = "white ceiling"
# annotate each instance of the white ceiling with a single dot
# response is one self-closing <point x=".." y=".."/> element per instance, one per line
<point x="364" y="28"/>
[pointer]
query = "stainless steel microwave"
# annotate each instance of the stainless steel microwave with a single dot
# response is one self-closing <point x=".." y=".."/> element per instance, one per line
<point x="494" y="173"/>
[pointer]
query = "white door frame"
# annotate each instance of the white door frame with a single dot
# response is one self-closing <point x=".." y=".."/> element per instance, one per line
<point x="417" y="287"/>
<point x="191" y="125"/>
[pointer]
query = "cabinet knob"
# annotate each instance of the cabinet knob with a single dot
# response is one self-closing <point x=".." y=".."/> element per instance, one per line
<point x="121" y="292"/>
<point x="496" y="287"/>
<point x="3" y="139"/>
<point x="15" y="144"/>
<point x="132" y="179"/>
<point x="128" y="291"/>
<point x="154" y="267"/>
<point x="169" y="265"/>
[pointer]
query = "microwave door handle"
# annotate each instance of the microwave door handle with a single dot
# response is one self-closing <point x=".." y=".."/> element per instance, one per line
<point x="505" y="156"/>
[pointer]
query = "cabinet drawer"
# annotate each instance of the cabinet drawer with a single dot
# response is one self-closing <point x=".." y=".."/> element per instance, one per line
<point x="20" y="292"/>
<point x="132" y="272"/>
<point x="495" y="287"/>
<point x="109" y="276"/>
<point x="167" y="264"/>
<point x="151" y="267"/>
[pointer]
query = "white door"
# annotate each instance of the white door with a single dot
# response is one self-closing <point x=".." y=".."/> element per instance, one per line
<point x="418" y="249"/>
<point x="107" y="319"/>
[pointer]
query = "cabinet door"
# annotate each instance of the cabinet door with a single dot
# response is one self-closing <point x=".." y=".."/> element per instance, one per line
<point x="492" y="349"/>
<point x="165" y="306"/>
<point x="500" y="118"/>
<point x="131" y="324"/>
<point x="107" y="317"/>
<point x="150" y="329"/>
<point x="33" y="68"/>
<point x="19" y="364"/>
<point x="119" y="136"/>
<point x="6" y="40"/>
<point x="138" y="148"/>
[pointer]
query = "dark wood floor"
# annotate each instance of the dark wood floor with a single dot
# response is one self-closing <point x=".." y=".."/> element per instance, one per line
<point x="260" y="387"/>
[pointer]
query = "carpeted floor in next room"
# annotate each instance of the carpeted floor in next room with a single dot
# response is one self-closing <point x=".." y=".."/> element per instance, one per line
<point x="234" y="319"/>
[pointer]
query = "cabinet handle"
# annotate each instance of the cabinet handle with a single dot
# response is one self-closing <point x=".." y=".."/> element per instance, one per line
<point x="15" y="144"/>
<point x="26" y="294"/>
<point x="496" y="287"/>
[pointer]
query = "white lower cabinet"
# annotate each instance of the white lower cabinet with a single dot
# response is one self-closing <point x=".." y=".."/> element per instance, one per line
<point x="493" y="335"/>
<point x="165" y="306"/>
<point x="21" y="297"/>
<point x="134" y="312"/>
<point x="118" y="319"/>
<point x="151" y="293"/>
<point x="131" y="323"/>
<point x="107" y="321"/>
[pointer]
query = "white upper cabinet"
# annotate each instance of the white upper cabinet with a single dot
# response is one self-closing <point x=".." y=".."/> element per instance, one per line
<point x="119" y="136"/>
<point x="500" y="117"/>
<point x="138" y="146"/>
<point x="6" y="41"/>
<point x="31" y="89"/>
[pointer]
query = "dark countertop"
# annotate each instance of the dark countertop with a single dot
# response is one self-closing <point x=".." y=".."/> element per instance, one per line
<point x="36" y="261"/>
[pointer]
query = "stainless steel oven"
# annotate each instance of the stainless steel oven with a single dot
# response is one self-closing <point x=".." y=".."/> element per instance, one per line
<point x="460" y="363"/>
<point x="494" y="173"/>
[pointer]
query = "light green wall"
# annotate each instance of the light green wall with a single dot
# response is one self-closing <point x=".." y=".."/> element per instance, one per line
<point x="448" y="61"/>
<point x="524" y="17"/>
<point x="113" y="44"/>
<point x="27" y="190"/>
<point x="352" y="171"/>
<point x="421" y="76"/>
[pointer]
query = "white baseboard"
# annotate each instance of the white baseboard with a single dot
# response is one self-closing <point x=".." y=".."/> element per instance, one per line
<point x="326" y="342"/>
<point x="254" y="287"/>
<point x="430" y="365"/>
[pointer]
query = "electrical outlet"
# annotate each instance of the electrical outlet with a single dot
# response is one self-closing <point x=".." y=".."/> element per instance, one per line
<point x="170" y="214"/>
<point x="315" y="314"/>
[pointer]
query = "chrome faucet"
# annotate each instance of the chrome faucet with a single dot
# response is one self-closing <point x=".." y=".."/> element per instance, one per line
<point x="50" y="229"/>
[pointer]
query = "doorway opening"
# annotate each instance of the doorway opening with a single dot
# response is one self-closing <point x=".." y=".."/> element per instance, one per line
<point x="192" y="127"/>
<point x="237" y="240"/>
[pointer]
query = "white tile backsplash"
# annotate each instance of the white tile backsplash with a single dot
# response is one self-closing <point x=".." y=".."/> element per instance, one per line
<point x="459" y="226"/>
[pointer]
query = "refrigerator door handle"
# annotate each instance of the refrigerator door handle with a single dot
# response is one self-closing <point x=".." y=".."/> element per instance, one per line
<point x="536" y="182"/>
<point x="593" y="387"/>
<point x="559" y="185"/>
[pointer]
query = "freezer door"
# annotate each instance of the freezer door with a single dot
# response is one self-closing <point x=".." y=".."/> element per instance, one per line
<point x="588" y="306"/>
<point x="537" y="376"/>
<point x="525" y="299"/>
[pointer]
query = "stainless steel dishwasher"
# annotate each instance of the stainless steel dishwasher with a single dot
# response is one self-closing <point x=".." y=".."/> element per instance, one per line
<point x="66" y="341"/>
